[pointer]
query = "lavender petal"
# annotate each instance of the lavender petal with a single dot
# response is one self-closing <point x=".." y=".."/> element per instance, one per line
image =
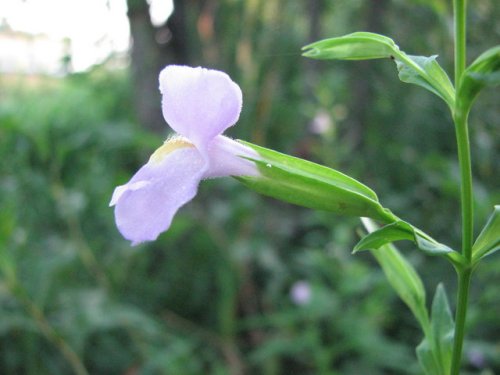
<point x="199" y="103"/>
<point x="146" y="205"/>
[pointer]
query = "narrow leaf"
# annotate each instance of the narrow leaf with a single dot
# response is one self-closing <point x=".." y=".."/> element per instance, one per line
<point x="390" y="233"/>
<point x="483" y="72"/>
<point x="401" y="230"/>
<point x="427" y="359"/>
<point x="402" y="276"/>
<point x="312" y="185"/>
<point x="427" y="73"/>
<point x="435" y="351"/>
<point x="488" y="240"/>
<point x="443" y="328"/>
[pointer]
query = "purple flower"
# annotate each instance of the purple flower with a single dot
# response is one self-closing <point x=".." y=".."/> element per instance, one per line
<point x="301" y="293"/>
<point x="199" y="104"/>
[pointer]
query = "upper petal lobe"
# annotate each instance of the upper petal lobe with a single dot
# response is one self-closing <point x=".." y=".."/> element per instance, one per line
<point x="199" y="103"/>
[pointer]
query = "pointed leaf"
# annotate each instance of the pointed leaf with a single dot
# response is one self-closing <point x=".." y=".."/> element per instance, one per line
<point x="427" y="73"/>
<point x="355" y="46"/>
<point x="390" y="233"/>
<point x="312" y="185"/>
<point x="402" y="276"/>
<point x="435" y="351"/>
<point x="401" y="230"/>
<point x="443" y="328"/>
<point x="427" y="359"/>
<point x="483" y="72"/>
<point x="488" y="240"/>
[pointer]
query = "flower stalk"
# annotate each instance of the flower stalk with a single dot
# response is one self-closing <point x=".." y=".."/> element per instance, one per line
<point x="464" y="271"/>
<point x="464" y="277"/>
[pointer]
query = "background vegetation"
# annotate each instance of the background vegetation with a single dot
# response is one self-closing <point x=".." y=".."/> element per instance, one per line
<point x="213" y="294"/>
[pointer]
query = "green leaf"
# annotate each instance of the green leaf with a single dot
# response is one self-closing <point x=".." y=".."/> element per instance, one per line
<point x="427" y="359"/>
<point x="312" y="185"/>
<point x="392" y="232"/>
<point x="401" y="230"/>
<point x="435" y="351"/>
<point x="483" y="72"/>
<point x="488" y="240"/>
<point x="420" y="70"/>
<point x="402" y="276"/>
<point x="427" y="73"/>
<point x="443" y="328"/>
<point x="355" y="46"/>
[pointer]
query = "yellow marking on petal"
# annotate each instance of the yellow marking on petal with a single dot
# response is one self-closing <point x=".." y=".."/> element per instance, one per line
<point x="168" y="146"/>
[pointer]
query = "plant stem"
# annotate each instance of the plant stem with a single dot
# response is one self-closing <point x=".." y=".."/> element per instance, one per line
<point x="464" y="271"/>
<point x="466" y="194"/>
<point x="462" y="131"/>
<point x="459" y="15"/>
<point x="464" y="277"/>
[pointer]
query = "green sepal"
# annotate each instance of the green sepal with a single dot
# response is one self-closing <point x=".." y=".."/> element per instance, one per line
<point x="355" y="46"/>
<point x="420" y="70"/>
<point x="488" y="240"/>
<point x="483" y="72"/>
<point x="402" y="276"/>
<point x="311" y="185"/>
<point x="401" y="230"/>
<point x="435" y="351"/>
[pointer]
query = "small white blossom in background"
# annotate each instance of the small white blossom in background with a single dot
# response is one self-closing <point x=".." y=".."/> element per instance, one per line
<point x="321" y="123"/>
<point x="300" y="293"/>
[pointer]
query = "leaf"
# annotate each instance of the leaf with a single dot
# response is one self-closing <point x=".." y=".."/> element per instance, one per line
<point x="443" y="328"/>
<point x="390" y="233"/>
<point x="426" y="358"/>
<point x="403" y="278"/>
<point x="428" y="75"/>
<point x="355" y="46"/>
<point x="312" y="185"/>
<point x="420" y="70"/>
<point x="435" y="351"/>
<point x="483" y="72"/>
<point x="488" y="240"/>
<point x="401" y="230"/>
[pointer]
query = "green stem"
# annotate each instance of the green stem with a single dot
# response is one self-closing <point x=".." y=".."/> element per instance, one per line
<point x="464" y="270"/>
<point x="464" y="277"/>
<point x="466" y="193"/>
<point x="459" y="15"/>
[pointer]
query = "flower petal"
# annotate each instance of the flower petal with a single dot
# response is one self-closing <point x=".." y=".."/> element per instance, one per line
<point x="146" y="205"/>
<point x="199" y="103"/>
<point x="227" y="158"/>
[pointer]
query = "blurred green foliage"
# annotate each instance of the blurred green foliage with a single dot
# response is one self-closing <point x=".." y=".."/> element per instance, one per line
<point x="212" y="295"/>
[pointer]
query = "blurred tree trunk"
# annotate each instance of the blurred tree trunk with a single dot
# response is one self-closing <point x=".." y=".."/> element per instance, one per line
<point x="314" y="10"/>
<point x="152" y="49"/>
<point x="363" y="82"/>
